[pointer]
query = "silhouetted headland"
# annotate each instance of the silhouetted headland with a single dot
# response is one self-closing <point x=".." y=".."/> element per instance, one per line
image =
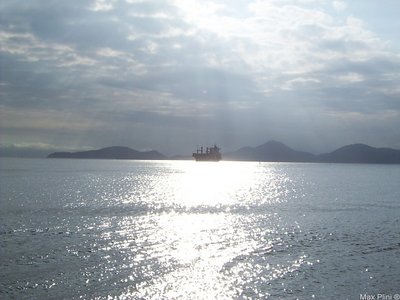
<point x="360" y="153"/>
<point x="274" y="151"/>
<point x="271" y="151"/>
<point x="115" y="152"/>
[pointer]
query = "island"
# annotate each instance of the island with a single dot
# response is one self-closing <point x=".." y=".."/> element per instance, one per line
<point x="115" y="152"/>
<point x="274" y="151"/>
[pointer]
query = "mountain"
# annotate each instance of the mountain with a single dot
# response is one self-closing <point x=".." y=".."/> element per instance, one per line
<point x="115" y="152"/>
<point x="278" y="152"/>
<point x="360" y="153"/>
<point x="270" y="151"/>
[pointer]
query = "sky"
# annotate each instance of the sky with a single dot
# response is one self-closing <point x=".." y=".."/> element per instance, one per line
<point x="171" y="75"/>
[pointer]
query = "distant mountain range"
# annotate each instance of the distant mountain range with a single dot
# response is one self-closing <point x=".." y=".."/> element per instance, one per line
<point x="115" y="152"/>
<point x="272" y="151"/>
<point x="278" y="152"/>
<point x="360" y="153"/>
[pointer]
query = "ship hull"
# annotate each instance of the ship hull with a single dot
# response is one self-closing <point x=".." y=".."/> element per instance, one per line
<point x="206" y="157"/>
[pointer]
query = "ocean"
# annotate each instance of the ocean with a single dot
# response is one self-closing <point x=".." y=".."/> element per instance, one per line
<point x="121" y="229"/>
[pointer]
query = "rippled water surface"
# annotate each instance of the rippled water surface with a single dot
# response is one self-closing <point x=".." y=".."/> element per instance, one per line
<point x="185" y="230"/>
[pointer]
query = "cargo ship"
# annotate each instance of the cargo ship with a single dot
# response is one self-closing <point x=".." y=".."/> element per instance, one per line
<point x="209" y="154"/>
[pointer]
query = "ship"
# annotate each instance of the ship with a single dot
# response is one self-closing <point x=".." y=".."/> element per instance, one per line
<point x="210" y="154"/>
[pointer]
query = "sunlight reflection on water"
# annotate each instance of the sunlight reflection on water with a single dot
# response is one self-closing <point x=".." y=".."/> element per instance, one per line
<point x="203" y="254"/>
<point x="213" y="184"/>
<point x="224" y="184"/>
<point x="197" y="247"/>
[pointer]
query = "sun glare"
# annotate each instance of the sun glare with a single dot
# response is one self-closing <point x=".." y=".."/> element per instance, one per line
<point x="195" y="243"/>
<point x="213" y="184"/>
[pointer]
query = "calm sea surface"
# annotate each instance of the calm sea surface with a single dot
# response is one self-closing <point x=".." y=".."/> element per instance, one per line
<point x="108" y="229"/>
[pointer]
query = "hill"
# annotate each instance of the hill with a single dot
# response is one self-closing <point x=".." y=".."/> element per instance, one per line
<point x="270" y="151"/>
<point x="278" y="152"/>
<point x="360" y="153"/>
<point x="116" y="152"/>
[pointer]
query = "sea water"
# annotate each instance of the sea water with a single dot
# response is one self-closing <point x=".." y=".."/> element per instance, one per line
<point x="112" y="229"/>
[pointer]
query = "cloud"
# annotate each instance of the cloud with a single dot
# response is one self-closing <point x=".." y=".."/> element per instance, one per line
<point x="339" y="5"/>
<point x="191" y="72"/>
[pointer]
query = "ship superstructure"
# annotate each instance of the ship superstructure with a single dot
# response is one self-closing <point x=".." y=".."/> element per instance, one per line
<point x="207" y="154"/>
